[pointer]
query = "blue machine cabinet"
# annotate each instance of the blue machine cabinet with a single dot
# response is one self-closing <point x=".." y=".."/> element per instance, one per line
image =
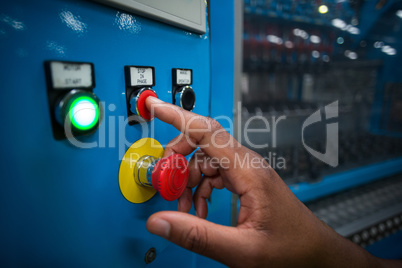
<point x="61" y="206"/>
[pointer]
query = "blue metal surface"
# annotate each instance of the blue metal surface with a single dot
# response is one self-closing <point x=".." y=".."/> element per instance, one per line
<point x="391" y="70"/>
<point x="345" y="180"/>
<point x="222" y="87"/>
<point x="222" y="51"/>
<point x="388" y="248"/>
<point x="61" y="205"/>
<point x="370" y="16"/>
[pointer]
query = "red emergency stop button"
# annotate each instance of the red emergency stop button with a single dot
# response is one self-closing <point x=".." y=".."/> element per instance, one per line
<point x="137" y="103"/>
<point x="170" y="176"/>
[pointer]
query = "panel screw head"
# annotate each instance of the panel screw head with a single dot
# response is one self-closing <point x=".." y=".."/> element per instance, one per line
<point x="150" y="255"/>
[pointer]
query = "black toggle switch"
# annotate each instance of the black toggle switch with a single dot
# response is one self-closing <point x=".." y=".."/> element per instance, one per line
<point x="185" y="98"/>
<point x="183" y="93"/>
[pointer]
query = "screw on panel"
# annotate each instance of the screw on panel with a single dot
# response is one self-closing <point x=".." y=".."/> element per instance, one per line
<point x="150" y="255"/>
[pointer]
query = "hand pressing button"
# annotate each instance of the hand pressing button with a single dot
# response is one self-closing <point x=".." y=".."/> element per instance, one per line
<point x="137" y="103"/>
<point x="169" y="175"/>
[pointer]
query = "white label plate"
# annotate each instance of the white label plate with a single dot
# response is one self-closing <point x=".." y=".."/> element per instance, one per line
<point x="69" y="75"/>
<point x="141" y="76"/>
<point x="183" y="77"/>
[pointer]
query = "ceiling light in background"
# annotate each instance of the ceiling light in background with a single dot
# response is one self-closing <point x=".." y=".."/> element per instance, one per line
<point x="378" y="44"/>
<point x="340" y="40"/>
<point x="351" y="55"/>
<point x="338" y="23"/>
<point x="325" y="58"/>
<point x="289" y="44"/>
<point x="315" y="39"/>
<point x="389" y="50"/>
<point x="274" y="39"/>
<point x="323" y="9"/>
<point x="301" y="33"/>
<point x="353" y="30"/>
<point x="315" y="54"/>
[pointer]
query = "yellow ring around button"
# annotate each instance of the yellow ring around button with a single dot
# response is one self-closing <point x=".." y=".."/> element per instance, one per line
<point x="128" y="187"/>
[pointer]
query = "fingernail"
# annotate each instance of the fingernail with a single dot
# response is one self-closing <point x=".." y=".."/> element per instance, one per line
<point x="160" y="227"/>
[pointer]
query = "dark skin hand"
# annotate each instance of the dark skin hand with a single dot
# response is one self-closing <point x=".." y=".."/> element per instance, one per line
<point x="274" y="228"/>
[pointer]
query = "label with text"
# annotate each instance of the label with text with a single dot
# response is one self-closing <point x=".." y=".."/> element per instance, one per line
<point x="183" y="77"/>
<point x="141" y="76"/>
<point x="70" y="75"/>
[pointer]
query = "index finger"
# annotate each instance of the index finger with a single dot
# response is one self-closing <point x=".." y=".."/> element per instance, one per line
<point x="206" y="132"/>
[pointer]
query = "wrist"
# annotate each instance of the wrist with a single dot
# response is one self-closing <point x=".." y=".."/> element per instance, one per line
<point x="333" y="250"/>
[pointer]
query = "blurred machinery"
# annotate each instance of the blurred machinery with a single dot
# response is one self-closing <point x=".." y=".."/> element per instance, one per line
<point x="299" y="57"/>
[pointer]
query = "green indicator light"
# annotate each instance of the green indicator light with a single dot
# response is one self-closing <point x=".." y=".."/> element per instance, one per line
<point x="84" y="113"/>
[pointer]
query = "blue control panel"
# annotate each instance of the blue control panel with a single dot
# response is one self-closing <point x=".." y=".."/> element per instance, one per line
<point x="61" y="205"/>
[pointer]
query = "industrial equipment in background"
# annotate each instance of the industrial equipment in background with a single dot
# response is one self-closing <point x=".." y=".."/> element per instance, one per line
<point x="300" y="56"/>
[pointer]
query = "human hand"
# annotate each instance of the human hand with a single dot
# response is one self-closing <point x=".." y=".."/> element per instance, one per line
<point x="274" y="228"/>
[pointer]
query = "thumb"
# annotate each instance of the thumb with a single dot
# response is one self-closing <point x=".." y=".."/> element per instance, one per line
<point x="228" y="245"/>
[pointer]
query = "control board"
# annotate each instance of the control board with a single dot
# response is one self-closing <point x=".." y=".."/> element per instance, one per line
<point x="76" y="75"/>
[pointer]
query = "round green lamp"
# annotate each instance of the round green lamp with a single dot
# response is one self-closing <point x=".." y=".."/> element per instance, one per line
<point x="79" y="111"/>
